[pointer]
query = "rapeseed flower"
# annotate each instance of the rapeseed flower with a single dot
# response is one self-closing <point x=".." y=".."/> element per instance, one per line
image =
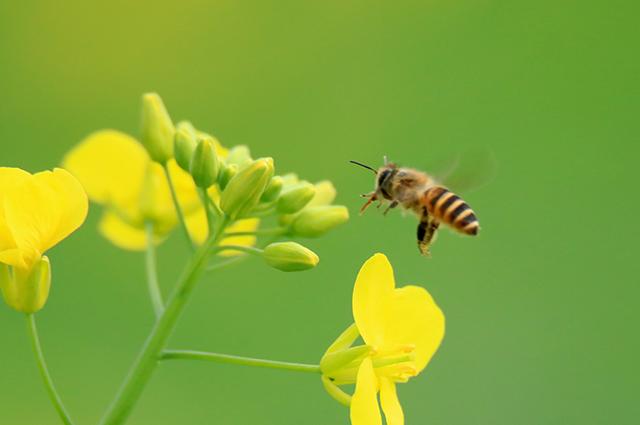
<point x="117" y="172"/>
<point x="401" y="328"/>
<point x="36" y="212"/>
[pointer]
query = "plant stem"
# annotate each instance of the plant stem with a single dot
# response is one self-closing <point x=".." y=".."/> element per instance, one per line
<point x="204" y="198"/>
<point x="275" y="231"/>
<point x="231" y="359"/>
<point x="176" y="203"/>
<point x="152" y="273"/>
<point x="242" y="248"/>
<point x="147" y="360"/>
<point x="44" y="371"/>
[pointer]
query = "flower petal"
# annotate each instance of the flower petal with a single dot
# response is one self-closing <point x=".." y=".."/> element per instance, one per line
<point x="9" y="177"/>
<point x="372" y="297"/>
<point x="44" y="209"/>
<point x="415" y="319"/>
<point x="71" y="204"/>
<point x="390" y="403"/>
<point x="122" y="234"/>
<point x="364" y="404"/>
<point x="111" y="166"/>
<point x="246" y="225"/>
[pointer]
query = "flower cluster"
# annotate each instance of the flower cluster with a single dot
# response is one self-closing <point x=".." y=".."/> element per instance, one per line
<point x="181" y="173"/>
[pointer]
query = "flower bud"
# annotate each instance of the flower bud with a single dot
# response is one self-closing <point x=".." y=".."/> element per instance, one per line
<point x="273" y="189"/>
<point x="204" y="165"/>
<point x="239" y="155"/>
<point x="289" y="257"/>
<point x="26" y="290"/>
<point x="325" y="194"/>
<point x="316" y="221"/>
<point x="157" y="128"/>
<point x="227" y="171"/>
<point x="244" y="190"/>
<point x="184" y="144"/>
<point x="295" y="197"/>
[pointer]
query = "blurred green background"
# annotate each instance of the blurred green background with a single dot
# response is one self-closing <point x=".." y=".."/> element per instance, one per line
<point x="541" y="308"/>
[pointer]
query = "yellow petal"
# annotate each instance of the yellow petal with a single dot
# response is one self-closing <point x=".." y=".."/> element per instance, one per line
<point x="364" y="404"/>
<point x="372" y="295"/>
<point x="71" y="204"/>
<point x="197" y="225"/>
<point x="415" y="319"/>
<point x="390" y="403"/>
<point x="44" y="209"/>
<point x="9" y="177"/>
<point x="110" y="165"/>
<point x="246" y="225"/>
<point x="121" y="233"/>
<point x="157" y="202"/>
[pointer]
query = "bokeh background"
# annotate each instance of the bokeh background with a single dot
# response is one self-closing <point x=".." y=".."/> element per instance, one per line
<point x="541" y="308"/>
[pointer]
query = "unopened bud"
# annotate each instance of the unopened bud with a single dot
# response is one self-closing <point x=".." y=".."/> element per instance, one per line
<point x="184" y="147"/>
<point x="290" y="257"/>
<point x="239" y="155"/>
<point x="325" y="194"/>
<point x="26" y="290"/>
<point x="316" y="221"/>
<point x="293" y="198"/>
<point x="244" y="190"/>
<point x="157" y="128"/>
<point x="204" y="165"/>
<point x="227" y="171"/>
<point x="273" y="189"/>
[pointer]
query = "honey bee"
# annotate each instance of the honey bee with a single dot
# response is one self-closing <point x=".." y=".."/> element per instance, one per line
<point x="421" y="193"/>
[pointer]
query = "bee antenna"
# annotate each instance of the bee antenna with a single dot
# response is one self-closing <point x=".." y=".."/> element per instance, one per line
<point x="364" y="166"/>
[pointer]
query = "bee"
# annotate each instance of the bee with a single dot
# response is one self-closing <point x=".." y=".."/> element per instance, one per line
<point x="421" y="193"/>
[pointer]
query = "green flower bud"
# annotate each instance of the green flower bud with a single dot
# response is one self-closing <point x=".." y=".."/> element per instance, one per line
<point x="325" y="194"/>
<point x="293" y="198"/>
<point x="184" y="147"/>
<point x="204" y="165"/>
<point x="226" y="174"/>
<point x="244" y="190"/>
<point x="316" y="221"/>
<point x="289" y="257"/>
<point x="26" y="290"/>
<point x="239" y="155"/>
<point x="157" y="128"/>
<point x="273" y="189"/>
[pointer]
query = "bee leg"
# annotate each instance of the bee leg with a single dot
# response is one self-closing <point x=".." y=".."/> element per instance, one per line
<point x="372" y="197"/>
<point x="391" y="206"/>
<point x="427" y="229"/>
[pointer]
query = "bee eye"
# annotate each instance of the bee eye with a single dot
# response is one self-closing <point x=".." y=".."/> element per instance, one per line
<point x="383" y="177"/>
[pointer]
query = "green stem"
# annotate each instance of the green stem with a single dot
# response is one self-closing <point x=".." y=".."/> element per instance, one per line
<point x="147" y="360"/>
<point x="275" y="231"/>
<point x="44" y="371"/>
<point x="242" y="248"/>
<point x="176" y="203"/>
<point x="152" y="272"/>
<point x="244" y="361"/>
<point x="204" y="198"/>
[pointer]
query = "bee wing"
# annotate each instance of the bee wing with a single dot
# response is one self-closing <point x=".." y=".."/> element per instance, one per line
<point x="466" y="172"/>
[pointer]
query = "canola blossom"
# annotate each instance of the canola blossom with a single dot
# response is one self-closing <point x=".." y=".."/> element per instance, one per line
<point x="401" y="328"/>
<point x="37" y="211"/>
<point x="227" y="204"/>
<point x="117" y="173"/>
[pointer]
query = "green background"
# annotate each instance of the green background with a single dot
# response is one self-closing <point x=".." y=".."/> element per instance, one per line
<point x="541" y="308"/>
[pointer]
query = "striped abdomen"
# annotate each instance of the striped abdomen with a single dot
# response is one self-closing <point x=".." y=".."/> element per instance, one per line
<point x="448" y="208"/>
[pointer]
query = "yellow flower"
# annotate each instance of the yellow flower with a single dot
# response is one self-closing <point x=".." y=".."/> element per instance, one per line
<point x="36" y="212"/>
<point x="117" y="172"/>
<point x="401" y="327"/>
